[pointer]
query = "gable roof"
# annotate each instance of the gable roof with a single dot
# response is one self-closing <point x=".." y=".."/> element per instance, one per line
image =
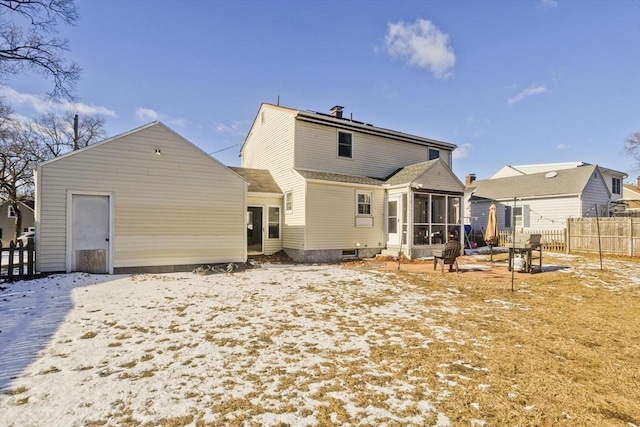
<point x="29" y="204"/>
<point x="260" y="180"/>
<point x="410" y="173"/>
<point x="427" y="173"/>
<point x="565" y="182"/>
<point x="131" y="132"/>
<point x="353" y="125"/>
<point x="513" y="170"/>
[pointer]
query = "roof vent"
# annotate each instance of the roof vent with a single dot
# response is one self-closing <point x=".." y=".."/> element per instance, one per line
<point x="551" y="174"/>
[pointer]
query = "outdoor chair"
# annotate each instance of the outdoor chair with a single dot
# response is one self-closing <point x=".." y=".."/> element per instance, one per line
<point x="447" y="255"/>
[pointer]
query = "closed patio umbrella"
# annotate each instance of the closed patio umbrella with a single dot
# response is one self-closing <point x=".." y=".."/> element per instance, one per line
<point x="491" y="233"/>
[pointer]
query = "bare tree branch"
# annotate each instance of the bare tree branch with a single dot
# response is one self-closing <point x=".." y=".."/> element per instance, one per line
<point x="632" y="148"/>
<point x="26" y="41"/>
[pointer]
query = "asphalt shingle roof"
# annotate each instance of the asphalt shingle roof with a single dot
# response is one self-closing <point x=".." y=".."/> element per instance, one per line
<point x="410" y="173"/>
<point x="567" y="181"/>
<point x="334" y="177"/>
<point x="260" y="180"/>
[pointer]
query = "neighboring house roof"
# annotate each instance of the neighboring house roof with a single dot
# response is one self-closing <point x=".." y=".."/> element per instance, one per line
<point x="563" y="182"/>
<point x="26" y="203"/>
<point x="260" y="180"/>
<point x="410" y="173"/>
<point x="335" y="177"/>
<point x="631" y="195"/>
<point x="509" y="170"/>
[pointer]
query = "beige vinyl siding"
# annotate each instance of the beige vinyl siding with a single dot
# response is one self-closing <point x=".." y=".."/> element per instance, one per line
<point x="373" y="156"/>
<point x="180" y="207"/>
<point x="294" y="222"/>
<point x="331" y="212"/>
<point x="270" y="246"/>
<point x="270" y="145"/>
<point x="438" y="178"/>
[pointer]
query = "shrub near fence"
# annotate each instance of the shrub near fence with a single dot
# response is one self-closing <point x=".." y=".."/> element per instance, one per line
<point x="18" y="261"/>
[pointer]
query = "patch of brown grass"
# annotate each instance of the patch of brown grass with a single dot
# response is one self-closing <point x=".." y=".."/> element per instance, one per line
<point x="559" y="350"/>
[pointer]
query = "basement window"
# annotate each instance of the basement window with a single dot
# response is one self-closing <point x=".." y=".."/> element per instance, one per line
<point x="349" y="253"/>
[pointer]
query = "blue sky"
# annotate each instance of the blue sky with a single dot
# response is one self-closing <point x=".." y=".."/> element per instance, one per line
<point x="509" y="82"/>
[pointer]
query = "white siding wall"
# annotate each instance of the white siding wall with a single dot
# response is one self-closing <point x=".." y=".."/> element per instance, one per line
<point x="544" y="214"/>
<point x="374" y="156"/>
<point x="331" y="218"/>
<point x="270" y="145"/>
<point x="180" y="207"/>
<point x="438" y="178"/>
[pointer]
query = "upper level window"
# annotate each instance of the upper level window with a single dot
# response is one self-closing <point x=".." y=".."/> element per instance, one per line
<point x="615" y="185"/>
<point x="434" y="154"/>
<point x="345" y="145"/>
<point x="10" y="212"/>
<point x="288" y="201"/>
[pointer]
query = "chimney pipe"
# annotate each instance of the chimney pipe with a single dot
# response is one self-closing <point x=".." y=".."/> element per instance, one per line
<point x="336" y="111"/>
<point x="469" y="179"/>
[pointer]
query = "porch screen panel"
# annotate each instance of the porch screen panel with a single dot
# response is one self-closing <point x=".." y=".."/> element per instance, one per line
<point x="436" y="218"/>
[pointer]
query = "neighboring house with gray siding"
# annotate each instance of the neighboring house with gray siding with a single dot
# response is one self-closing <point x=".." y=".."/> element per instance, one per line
<point x="146" y="200"/>
<point x="8" y="220"/>
<point x="539" y="201"/>
<point x="353" y="189"/>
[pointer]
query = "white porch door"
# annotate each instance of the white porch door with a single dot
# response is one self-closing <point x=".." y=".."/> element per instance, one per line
<point x="90" y="233"/>
<point x="394" y="226"/>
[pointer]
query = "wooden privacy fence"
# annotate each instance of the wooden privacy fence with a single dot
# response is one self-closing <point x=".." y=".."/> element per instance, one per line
<point x="18" y="261"/>
<point x="615" y="236"/>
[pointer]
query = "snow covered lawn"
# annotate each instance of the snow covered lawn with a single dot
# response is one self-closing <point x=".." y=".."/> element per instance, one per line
<point x="287" y="345"/>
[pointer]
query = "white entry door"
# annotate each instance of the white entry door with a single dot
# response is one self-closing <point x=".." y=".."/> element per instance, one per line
<point x="394" y="226"/>
<point x="90" y="235"/>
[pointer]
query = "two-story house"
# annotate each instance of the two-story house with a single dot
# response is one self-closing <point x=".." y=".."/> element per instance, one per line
<point x="351" y="188"/>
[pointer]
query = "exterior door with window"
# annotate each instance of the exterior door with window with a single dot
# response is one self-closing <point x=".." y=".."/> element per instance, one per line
<point x="254" y="230"/>
<point x="394" y="226"/>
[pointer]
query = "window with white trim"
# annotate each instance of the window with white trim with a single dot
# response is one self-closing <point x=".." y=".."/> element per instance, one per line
<point x="364" y="202"/>
<point x="345" y="145"/>
<point x="288" y="201"/>
<point x="10" y="212"/>
<point x="615" y="185"/>
<point x="434" y="154"/>
<point x="274" y="222"/>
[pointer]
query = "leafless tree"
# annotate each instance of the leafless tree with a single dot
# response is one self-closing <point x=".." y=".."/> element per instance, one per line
<point x="28" y="41"/>
<point x="632" y="148"/>
<point x="55" y="134"/>
<point x="17" y="162"/>
<point x="25" y="143"/>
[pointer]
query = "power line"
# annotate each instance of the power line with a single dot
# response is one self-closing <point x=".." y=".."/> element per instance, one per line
<point x="223" y="149"/>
